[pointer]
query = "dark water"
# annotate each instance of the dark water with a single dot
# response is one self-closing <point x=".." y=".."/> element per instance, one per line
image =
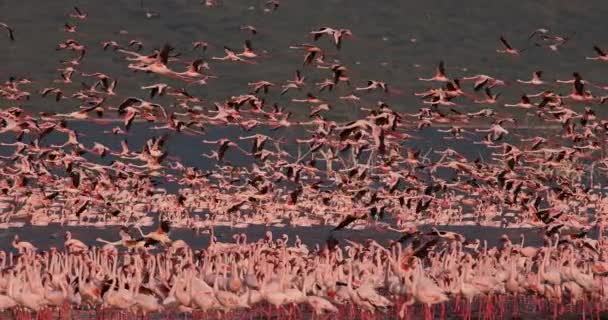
<point x="395" y="41"/>
<point x="188" y="149"/>
<point x="53" y="235"/>
<point x="464" y="34"/>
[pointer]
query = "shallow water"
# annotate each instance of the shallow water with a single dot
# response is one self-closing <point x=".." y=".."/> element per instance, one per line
<point x="528" y="310"/>
<point x="52" y="235"/>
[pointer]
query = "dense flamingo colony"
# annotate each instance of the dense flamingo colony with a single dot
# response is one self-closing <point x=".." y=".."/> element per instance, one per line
<point x="359" y="174"/>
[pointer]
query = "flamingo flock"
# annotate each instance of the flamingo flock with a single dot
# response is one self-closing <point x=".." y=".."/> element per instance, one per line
<point x="304" y="169"/>
<point x="423" y="274"/>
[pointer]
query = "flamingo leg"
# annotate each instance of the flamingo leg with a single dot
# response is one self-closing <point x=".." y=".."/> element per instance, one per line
<point x="584" y="310"/>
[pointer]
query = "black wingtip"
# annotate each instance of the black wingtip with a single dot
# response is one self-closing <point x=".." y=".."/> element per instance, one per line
<point x="165" y="226"/>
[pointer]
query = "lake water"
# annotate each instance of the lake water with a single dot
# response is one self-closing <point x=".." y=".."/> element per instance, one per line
<point x="395" y="41"/>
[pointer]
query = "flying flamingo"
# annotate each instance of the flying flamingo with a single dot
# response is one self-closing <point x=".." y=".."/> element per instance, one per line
<point x="602" y="56"/>
<point x="508" y="49"/>
<point x="439" y="74"/>
<point x="10" y="31"/>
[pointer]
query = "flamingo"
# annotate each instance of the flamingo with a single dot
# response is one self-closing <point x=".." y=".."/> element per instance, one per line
<point x="439" y="74"/>
<point x="602" y="56"/>
<point x="23" y="246"/>
<point x="426" y="291"/>
<point x="11" y="32"/>
<point x="74" y="245"/>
